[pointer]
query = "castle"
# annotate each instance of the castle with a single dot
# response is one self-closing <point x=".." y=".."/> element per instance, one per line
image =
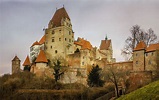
<point x="58" y="42"/>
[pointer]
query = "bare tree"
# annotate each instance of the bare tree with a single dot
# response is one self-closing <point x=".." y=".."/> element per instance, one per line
<point x="115" y="76"/>
<point x="137" y="35"/>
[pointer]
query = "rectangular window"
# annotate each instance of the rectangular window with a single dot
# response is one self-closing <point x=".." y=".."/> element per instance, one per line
<point x="55" y="51"/>
<point x="69" y="32"/>
<point x="146" y="54"/>
<point x="136" y="62"/>
<point x="82" y="63"/>
<point x="136" y="54"/>
<point x="152" y="54"/>
<point x="69" y="40"/>
<point x="59" y="39"/>
<point x="65" y="39"/>
<point x="53" y="32"/>
<point x="53" y="40"/>
<point x="51" y="47"/>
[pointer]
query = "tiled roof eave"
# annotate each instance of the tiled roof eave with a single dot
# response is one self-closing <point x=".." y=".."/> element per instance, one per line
<point x="138" y="49"/>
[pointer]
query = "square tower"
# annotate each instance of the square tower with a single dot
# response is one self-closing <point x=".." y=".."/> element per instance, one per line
<point x="139" y="57"/>
<point x="59" y="35"/>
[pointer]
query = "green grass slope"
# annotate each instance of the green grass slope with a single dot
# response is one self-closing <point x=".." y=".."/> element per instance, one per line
<point x="148" y="92"/>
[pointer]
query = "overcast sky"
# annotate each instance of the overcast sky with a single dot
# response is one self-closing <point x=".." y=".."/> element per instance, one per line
<point x="22" y="23"/>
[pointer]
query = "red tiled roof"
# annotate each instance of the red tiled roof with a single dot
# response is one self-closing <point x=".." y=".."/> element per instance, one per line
<point x="41" y="57"/>
<point x="140" y="46"/>
<point x="42" y="40"/>
<point x="152" y="47"/>
<point x="59" y="14"/>
<point x="15" y="58"/>
<point x="35" y="43"/>
<point x="84" y="43"/>
<point x="105" y="44"/>
<point x="27" y="61"/>
<point x="77" y="43"/>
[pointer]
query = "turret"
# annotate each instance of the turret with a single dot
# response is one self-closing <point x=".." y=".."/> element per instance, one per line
<point x="16" y="65"/>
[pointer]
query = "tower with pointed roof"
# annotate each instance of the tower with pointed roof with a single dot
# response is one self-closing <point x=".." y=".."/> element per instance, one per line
<point x="105" y="50"/>
<point x="27" y="64"/>
<point x="59" y="35"/>
<point x="15" y="65"/>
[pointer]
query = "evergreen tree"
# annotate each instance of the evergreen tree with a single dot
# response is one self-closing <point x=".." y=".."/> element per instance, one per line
<point x="94" y="77"/>
<point x="57" y="69"/>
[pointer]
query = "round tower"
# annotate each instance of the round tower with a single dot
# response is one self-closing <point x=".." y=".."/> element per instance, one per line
<point x="15" y="65"/>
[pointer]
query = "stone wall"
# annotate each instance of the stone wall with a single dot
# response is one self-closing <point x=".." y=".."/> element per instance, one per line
<point x="122" y="65"/>
<point x="140" y="78"/>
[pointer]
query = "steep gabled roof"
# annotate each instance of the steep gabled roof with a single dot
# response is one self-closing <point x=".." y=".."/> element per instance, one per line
<point x="41" y="57"/>
<point x="105" y="44"/>
<point x="140" y="46"/>
<point x="42" y="40"/>
<point x="35" y="43"/>
<point x="152" y="47"/>
<point x="27" y="61"/>
<point x="83" y="43"/>
<point x="15" y="58"/>
<point x="59" y="14"/>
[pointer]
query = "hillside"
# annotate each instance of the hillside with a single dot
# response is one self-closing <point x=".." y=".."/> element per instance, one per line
<point x="27" y="86"/>
<point x="148" y="92"/>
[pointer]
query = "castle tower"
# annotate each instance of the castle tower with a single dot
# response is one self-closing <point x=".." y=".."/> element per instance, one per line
<point x="59" y="35"/>
<point x="15" y="65"/>
<point x="106" y="50"/>
<point x="27" y="64"/>
<point x="139" y="57"/>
